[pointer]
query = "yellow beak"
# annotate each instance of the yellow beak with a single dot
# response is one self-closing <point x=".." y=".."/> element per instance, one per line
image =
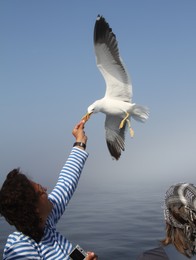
<point x="87" y="116"/>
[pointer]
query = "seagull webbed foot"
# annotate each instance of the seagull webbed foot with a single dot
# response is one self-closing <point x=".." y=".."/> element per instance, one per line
<point x="130" y="129"/>
<point x="131" y="132"/>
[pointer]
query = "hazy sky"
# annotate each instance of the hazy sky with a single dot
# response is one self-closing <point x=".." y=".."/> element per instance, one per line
<point x="49" y="78"/>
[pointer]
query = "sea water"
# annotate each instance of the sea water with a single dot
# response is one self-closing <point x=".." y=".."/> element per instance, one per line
<point x="116" y="224"/>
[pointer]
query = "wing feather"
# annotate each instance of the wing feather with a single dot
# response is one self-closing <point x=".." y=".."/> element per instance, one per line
<point x="109" y="62"/>
<point x="115" y="137"/>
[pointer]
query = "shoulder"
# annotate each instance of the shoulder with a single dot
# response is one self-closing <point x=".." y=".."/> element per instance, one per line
<point x="157" y="253"/>
<point x="16" y="245"/>
<point x="16" y="237"/>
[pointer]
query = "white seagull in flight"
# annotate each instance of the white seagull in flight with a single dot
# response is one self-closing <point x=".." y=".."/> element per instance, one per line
<point x="117" y="103"/>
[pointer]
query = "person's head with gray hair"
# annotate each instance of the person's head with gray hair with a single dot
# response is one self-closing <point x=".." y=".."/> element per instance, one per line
<point x="180" y="217"/>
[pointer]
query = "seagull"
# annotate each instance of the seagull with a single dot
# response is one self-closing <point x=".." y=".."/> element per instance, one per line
<point x="117" y="103"/>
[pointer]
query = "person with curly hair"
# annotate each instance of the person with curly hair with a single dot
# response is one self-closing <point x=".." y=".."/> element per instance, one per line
<point x="26" y="205"/>
<point x="180" y="217"/>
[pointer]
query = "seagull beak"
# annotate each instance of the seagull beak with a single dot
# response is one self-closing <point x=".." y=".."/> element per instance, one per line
<point x="87" y="116"/>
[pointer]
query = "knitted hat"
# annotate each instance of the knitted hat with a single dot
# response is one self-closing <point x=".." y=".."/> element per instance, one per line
<point x="182" y="194"/>
<point x="178" y="195"/>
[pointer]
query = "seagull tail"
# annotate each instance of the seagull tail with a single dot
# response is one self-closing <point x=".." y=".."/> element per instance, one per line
<point x="140" y="113"/>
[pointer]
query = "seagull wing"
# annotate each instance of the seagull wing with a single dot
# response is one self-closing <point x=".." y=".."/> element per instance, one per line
<point x="109" y="62"/>
<point x="115" y="137"/>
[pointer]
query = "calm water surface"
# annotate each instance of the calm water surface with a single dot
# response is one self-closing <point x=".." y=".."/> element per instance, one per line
<point x="117" y="224"/>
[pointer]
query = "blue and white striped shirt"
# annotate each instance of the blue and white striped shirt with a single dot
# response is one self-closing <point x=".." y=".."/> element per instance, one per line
<point x="53" y="245"/>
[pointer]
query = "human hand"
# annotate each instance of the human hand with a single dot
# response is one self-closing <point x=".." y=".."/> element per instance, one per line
<point x="91" y="256"/>
<point x="78" y="132"/>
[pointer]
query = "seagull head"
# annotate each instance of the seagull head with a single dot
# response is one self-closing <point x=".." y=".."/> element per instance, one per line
<point x="92" y="109"/>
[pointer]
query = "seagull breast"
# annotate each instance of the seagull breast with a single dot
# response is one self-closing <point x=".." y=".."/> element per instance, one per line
<point x="111" y="106"/>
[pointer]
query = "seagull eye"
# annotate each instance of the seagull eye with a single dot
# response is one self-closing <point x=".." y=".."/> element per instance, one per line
<point x="91" y="110"/>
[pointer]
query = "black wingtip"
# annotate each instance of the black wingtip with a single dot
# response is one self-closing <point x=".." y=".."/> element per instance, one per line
<point x="114" y="153"/>
<point x="102" y="30"/>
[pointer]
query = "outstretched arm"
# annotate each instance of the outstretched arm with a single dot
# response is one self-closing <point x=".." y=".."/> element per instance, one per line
<point x="69" y="175"/>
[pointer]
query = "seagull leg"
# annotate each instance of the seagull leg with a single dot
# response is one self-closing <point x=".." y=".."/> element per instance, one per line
<point x="123" y="121"/>
<point x="131" y="129"/>
<point x="128" y="122"/>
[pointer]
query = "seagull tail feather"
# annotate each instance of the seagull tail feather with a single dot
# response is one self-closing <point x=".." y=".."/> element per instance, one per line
<point x="140" y="113"/>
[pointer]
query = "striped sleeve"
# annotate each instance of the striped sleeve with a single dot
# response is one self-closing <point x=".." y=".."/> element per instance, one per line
<point x="67" y="183"/>
<point x="19" y="247"/>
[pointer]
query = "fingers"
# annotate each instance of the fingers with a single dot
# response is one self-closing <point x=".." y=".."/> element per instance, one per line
<point x="80" y="124"/>
<point x="78" y="132"/>
<point x="91" y="256"/>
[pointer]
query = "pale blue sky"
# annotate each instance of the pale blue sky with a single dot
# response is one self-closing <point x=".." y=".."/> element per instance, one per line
<point x="49" y="77"/>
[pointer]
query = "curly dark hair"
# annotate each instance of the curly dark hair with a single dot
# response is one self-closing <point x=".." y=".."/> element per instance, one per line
<point x="18" y="201"/>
